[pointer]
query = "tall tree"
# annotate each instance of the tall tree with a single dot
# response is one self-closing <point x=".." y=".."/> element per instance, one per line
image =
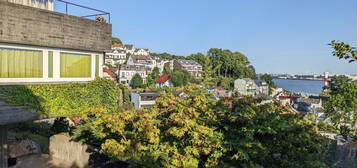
<point x="209" y="73"/>
<point x="344" y="51"/>
<point x="232" y="64"/>
<point x="199" y="58"/>
<point x="180" y="78"/>
<point x="153" y="76"/>
<point x="269" y="79"/>
<point x="196" y="131"/>
<point x="341" y="106"/>
<point x="136" y="81"/>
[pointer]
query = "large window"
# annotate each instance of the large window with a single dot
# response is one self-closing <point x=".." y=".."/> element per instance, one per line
<point x="75" y="65"/>
<point x="17" y="63"/>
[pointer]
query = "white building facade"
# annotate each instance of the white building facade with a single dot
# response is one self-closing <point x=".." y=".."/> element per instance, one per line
<point x="33" y="64"/>
<point x="127" y="72"/>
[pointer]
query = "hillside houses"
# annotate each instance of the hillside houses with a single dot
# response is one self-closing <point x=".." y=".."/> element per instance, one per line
<point x="192" y="67"/>
<point x="130" y="61"/>
<point x="119" y="54"/>
<point x="127" y="72"/>
<point x="250" y="87"/>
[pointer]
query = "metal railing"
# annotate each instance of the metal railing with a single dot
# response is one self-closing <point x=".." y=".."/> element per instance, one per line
<point x="102" y="13"/>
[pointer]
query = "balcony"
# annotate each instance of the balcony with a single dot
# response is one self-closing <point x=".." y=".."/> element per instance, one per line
<point x="26" y="25"/>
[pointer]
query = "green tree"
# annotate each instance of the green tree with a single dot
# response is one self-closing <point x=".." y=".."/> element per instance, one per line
<point x="209" y="73"/>
<point x="226" y="83"/>
<point x="337" y="81"/>
<point x="232" y="64"/>
<point x="166" y="70"/>
<point x="136" y="81"/>
<point x="341" y="106"/>
<point x="153" y="76"/>
<point x="196" y="131"/>
<point x="116" y="40"/>
<point x="199" y="58"/>
<point x="344" y="51"/>
<point x="176" y="132"/>
<point x="269" y="136"/>
<point x="269" y="79"/>
<point x="179" y="78"/>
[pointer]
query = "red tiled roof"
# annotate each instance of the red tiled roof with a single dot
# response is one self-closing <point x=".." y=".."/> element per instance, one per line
<point x="109" y="72"/>
<point x="163" y="78"/>
<point x="116" y="46"/>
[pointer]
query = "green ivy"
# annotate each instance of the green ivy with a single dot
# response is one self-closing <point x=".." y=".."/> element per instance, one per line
<point x="65" y="100"/>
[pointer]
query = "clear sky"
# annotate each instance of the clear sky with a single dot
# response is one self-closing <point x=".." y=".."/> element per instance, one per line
<point x="278" y="36"/>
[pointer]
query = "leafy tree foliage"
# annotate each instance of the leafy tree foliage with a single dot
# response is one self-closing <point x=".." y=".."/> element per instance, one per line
<point x="209" y="73"/>
<point x="341" y="107"/>
<point x="116" y="40"/>
<point x="179" y="78"/>
<point x="232" y="64"/>
<point x="65" y="100"/>
<point x="344" y="51"/>
<point x="166" y="70"/>
<point x="153" y="76"/>
<point x="199" y="58"/>
<point x="167" y="56"/>
<point x="136" y="81"/>
<point x="269" y="136"/>
<point x="337" y="81"/>
<point x="197" y="131"/>
<point x="226" y="83"/>
<point x="269" y="79"/>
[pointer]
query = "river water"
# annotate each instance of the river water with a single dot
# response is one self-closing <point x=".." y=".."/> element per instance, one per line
<point x="300" y="86"/>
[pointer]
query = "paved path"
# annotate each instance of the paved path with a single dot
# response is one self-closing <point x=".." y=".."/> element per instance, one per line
<point x="10" y="114"/>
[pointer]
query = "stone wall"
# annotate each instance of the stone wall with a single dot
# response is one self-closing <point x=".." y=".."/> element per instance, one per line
<point x="21" y="24"/>
<point x="74" y="153"/>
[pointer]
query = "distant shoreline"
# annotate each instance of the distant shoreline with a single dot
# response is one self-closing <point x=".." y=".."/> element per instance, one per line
<point x="299" y="79"/>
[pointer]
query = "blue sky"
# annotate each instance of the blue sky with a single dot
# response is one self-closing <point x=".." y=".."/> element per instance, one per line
<point x="278" y="36"/>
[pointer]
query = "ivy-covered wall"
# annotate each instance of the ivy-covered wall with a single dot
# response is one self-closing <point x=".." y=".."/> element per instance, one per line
<point x="65" y="100"/>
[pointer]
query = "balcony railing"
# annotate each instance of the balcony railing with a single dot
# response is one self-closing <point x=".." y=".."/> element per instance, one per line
<point x="100" y="12"/>
<point x="49" y="5"/>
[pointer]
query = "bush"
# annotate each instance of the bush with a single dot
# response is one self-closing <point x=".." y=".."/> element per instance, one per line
<point x="42" y="128"/>
<point x="65" y="100"/>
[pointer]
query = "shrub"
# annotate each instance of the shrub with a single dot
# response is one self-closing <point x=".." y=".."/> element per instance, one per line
<point x="65" y="100"/>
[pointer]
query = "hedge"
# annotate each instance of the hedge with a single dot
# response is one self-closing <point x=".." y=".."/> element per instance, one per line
<point x="65" y="100"/>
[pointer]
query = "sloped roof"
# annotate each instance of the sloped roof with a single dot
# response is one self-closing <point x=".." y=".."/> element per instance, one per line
<point x="188" y="62"/>
<point x="109" y="72"/>
<point x="117" y="46"/>
<point x="129" y="46"/>
<point x="140" y="57"/>
<point x="260" y="83"/>
<point x="163" y="78"/>
<point x="134" y="68"/>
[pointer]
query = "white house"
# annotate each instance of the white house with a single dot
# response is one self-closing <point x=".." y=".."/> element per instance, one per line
<point x="142" y="51"/>
<point x="164" y="81"/>
<point x="129" y="49"/>
<point x="192" y="67"/>
<point x="142" y="60"/>
<point x="127" y="72"/>
<point x="115" y="57"/>
<point x="245" y="87"/>
<point x="144" y="100"/>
